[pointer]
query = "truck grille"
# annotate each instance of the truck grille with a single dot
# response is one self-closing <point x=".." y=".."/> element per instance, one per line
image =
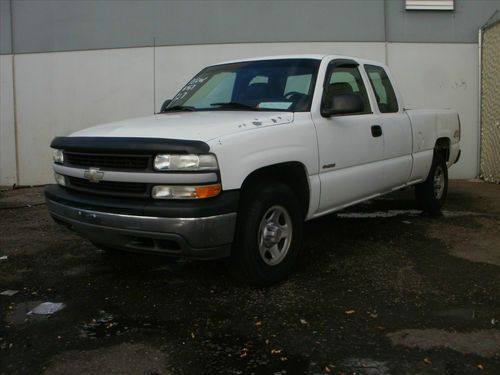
<point x="131" y="189"/>
<point x="108" y="161"/>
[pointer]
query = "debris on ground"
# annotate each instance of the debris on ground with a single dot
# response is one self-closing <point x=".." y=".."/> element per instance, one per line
<point x="364" y="366"/>
<point x="9" y="293"/>
<point x="4" y="257"/>
<point x="47" y="308"/>
<point x="103" y="326"/>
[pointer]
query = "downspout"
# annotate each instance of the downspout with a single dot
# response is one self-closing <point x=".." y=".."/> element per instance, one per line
<point x="480" y="103"/>
<point x="14" y="101"/>
<point x="386" y="47"/>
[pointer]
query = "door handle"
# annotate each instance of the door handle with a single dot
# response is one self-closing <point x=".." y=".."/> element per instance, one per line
<point x="376" y="130"/>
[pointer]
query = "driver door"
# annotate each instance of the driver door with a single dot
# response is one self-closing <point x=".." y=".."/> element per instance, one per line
<point x="350" y="145"/>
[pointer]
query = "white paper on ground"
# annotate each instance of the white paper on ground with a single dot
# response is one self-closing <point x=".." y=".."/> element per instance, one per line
<point x="47" y="308"/>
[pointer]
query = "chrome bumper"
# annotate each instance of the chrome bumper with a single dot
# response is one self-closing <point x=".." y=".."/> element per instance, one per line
<point x="203" y="237"/>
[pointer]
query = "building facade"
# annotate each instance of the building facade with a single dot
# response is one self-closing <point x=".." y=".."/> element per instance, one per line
<point x="67" y="65"/>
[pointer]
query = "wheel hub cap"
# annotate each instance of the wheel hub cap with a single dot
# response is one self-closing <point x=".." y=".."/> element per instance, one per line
<point x="275" y="235"/>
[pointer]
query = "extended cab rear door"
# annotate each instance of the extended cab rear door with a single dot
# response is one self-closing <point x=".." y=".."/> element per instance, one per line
<point x="396" y="128"/>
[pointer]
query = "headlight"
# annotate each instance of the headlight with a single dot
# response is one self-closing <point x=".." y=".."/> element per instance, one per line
<point x="185" y="192"/>
<point x="60" y="179"/>
<point x="58" y="156"/>
<point x="190" y="162"/>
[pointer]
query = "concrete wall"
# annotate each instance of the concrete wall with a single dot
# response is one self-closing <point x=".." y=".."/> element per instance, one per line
<point x="438" y="75"/>
<point x="59" y="93"/>
<point x="81" y="63"/>
<point x="8" y="175"/>
<point x="56" y="25"/>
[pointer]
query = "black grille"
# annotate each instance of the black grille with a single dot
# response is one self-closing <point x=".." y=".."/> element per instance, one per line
<point x="109" y="187"/>
<point x="108" y="161"/>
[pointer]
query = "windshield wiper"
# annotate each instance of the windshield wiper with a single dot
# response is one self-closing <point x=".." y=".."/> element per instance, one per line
<point x="180" y="108"/>
<point x="235" y="105"/>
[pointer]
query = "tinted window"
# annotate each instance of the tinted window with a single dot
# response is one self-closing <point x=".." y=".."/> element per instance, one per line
<point x="279" y="85"/>
<point x="300" y="84"/>
<point x="382" y="87"/>
<point x="218" y="88"/>
<point x="345" y="80"/>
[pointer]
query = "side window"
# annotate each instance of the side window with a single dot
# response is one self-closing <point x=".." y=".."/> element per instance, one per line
<point x="346" y="80"/>
<point x="382" y="87"/>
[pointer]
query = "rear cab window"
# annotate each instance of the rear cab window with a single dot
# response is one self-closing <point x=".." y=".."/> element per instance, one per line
<point x="382" y="88"/>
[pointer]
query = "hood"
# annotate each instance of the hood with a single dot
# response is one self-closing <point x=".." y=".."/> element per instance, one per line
<point x="202" y="125"/>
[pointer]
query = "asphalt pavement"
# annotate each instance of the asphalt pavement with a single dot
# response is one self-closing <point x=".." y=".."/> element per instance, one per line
<point x="380" y="289"/>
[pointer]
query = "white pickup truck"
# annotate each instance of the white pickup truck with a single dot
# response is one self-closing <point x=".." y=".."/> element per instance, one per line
<point x="243" y="154"/>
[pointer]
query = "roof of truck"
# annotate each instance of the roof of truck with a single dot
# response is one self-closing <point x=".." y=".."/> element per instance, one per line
<point x="303" y="56"/>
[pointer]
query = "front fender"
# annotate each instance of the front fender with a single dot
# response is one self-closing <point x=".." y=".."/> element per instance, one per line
<point x="242" y="153"/>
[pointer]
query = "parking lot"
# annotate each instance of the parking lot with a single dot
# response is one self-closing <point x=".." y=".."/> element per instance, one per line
<point x="380" y="289"/>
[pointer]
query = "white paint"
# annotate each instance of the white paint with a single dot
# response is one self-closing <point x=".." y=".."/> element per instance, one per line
<point x="59" y="93"/>
<point x="439" y="75"/>
<point x="202" y="126"/>
<point x="352" y="163"/>
<point x="7" y="126"/>
<point x="254" y="147"/>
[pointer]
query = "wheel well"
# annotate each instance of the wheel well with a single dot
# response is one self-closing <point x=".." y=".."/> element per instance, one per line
<point x="292" y="174"/>
<point x="443" y="147"/>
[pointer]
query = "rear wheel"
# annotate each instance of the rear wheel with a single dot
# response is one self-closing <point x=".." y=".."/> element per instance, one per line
<point x="268" y="235"/>
<point x="432" y="193"/>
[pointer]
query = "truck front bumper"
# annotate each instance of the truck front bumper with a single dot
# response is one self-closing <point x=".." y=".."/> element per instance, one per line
<point x="202" y="237"/>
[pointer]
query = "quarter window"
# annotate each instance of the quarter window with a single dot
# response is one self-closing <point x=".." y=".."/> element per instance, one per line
<point x="382" y="87"/>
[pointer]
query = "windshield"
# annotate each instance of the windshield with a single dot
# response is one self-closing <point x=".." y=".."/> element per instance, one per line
<point x="264" y="85"/>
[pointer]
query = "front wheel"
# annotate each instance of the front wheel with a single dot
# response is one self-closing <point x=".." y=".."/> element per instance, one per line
<point x="268" y="235"/>
<point x="432" y="193"/>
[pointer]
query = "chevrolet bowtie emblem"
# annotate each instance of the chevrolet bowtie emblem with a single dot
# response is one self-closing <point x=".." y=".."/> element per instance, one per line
<point x="93" y="175"/>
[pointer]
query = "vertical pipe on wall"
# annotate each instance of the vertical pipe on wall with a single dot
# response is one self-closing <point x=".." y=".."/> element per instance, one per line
<point x="154" y="75"/>
<point x="385" y="34"/>
<point x="13" y="67"/>
<point x="479" y="111"/>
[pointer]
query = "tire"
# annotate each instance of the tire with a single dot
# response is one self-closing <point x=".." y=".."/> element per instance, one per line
<point x="432" y="193"/>
<point x="268" y="234"/>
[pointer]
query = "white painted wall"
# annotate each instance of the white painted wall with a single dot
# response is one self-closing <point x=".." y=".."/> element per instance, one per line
<point x="59" y="93"/>
<point x="442" y="76"/>
<point x="7" y="129"/>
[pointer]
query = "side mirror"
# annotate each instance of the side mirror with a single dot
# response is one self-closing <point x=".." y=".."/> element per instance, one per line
<point x="165" y="105"/>
<point x="342" y="104"/>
